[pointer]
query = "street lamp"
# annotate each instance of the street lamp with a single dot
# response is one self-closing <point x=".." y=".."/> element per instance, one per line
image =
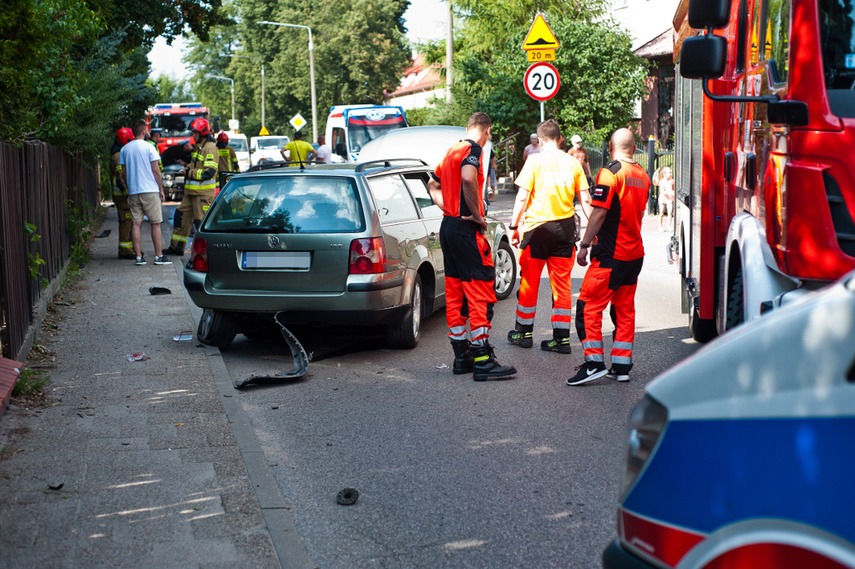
<point x="311" y="73"/>
<point x="220" y="77"/>
<point x="262" y="82"/>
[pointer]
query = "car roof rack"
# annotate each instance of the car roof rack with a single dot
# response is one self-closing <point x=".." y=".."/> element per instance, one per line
<point x="281" y="164"/>
<point x="388" y="163"/>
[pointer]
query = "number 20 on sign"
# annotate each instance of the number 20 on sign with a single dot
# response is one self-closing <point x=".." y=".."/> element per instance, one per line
<point x="542" y="81"/>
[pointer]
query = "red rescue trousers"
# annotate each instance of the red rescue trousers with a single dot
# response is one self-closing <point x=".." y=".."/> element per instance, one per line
<point x="469" y="280"/>
<point x="614" y="284"/>
<point x="559" y="269"/>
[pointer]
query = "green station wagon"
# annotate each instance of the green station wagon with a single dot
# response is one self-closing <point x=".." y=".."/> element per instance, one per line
<point x="324" y="245"/>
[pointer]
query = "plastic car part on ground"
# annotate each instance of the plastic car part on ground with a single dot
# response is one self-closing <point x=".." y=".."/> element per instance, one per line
<point x="298" y="352"/>
<point x="184" y="336"/>
<point x="137" y="357"/>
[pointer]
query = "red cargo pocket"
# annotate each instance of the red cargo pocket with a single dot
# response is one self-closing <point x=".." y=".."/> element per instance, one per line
<point x="484" y="250"/>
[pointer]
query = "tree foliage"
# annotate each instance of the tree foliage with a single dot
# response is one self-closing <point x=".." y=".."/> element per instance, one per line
<point x="73" y="71"/>
<point x="359" y="50"/>
<point x="601" y="79"/>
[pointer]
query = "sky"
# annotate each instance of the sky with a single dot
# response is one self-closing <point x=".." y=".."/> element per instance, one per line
<point x="425" y="20"/>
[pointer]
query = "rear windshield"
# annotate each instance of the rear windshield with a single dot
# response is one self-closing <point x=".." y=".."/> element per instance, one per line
<point x="837" y="32"/>
<point x="287" y="204"/>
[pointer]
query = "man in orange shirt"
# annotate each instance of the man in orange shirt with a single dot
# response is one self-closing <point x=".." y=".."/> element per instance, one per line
<point x="619" y="199"/>
<point x="455" y="186"/>
<point x="543" y="214"/>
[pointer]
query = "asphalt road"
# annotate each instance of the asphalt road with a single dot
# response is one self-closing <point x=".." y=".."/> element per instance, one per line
<point x="450" y="472"/>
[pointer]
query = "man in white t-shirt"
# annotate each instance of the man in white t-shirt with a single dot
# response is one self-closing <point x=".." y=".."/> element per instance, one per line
<point x="323" y="153"/>
<point x="141" y="171"/>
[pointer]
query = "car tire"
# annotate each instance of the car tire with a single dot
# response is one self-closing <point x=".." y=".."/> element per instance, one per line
<point x="405" y="335"/>
<point x="217" y="328"/>
<point x="506" y="271"/>
<point x="735" y="310"/>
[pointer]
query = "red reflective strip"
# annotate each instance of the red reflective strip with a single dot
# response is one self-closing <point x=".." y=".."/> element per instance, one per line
<point x="393" y="120"/>
<point x="666" y="543"/>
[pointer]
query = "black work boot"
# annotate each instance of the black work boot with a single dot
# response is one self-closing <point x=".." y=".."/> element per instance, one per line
<point x="486" y="366"/>
<point x="463" y="362"/>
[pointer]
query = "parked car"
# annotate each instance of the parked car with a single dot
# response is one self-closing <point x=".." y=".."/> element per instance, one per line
<point x="326" y="244"/>
<point x="741" y="456"/>
<point x="173" y="182"/>
<point x="263" y="149"/>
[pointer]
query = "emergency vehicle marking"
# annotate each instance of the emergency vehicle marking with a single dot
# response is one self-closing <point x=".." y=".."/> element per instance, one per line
<point x="713" y="488"/>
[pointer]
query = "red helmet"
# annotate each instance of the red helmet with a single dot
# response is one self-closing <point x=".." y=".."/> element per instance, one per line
<point x="124" y="135"/>
<point x="201" y="126"/>
<point x="223" y="137"/>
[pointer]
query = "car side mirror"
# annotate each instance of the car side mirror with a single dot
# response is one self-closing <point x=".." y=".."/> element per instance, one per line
<point x="792" y="113"/>
<point x="703" y="57"/>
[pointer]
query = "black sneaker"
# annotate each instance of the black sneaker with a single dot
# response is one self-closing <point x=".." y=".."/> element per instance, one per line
<point x="618" y="373"/>
<point x="560" y="345"/>
<point x="140" y="261"/>
<point x="162" y="260"/>
<point x="588" y="371"/>
<point x="521" y="339"/>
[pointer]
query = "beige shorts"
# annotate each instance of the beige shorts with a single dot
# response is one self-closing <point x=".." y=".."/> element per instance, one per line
<point x="146" y="204"/>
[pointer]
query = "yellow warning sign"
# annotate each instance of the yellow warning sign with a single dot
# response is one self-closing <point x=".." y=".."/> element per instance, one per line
<point x="264" y="131"/>
<point x="541" y="55"/>
<point x="540" y="36"/>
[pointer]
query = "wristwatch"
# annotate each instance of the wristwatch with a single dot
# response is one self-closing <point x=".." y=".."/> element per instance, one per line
<point x="513" y="227"/>
<point x="585" y="245"/>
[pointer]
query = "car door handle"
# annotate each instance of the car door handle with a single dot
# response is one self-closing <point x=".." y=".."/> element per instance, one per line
<point x="432" y="237"/>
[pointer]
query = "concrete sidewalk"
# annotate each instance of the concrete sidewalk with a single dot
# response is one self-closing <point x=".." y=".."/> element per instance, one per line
<point x="143" y="464"/>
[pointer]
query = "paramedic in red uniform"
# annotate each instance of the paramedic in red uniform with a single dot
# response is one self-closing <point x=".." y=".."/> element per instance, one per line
<point x="455" y="186"/>
<point x="613" y="235"/>
<point x="548" y="184"/>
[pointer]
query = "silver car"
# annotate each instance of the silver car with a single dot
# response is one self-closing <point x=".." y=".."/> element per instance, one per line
<point x="326" y="244"/>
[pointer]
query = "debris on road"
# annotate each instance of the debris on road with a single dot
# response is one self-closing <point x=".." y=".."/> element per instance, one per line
<point x="137" y="357"/>
<point x="347" y="497"/>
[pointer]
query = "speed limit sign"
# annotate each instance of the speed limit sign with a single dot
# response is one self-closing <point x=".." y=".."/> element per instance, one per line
<point x="542" y="81"/>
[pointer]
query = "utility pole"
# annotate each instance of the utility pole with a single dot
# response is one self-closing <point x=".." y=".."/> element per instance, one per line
<point x="449" y="54"/>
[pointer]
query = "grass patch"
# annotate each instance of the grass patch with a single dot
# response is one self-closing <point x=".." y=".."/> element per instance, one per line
<point x="29" y="383"/>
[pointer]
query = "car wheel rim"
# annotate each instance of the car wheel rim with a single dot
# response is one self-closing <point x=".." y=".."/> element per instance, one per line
<point x="503" y="271"/>
<point x="417" y="310"/>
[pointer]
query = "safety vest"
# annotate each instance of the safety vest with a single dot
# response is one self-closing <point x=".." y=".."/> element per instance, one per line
<point x="203" y="158"/>
<point x="228" y="159"/>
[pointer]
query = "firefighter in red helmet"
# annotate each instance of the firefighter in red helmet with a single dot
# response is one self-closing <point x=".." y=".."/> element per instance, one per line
<point x="228" y="158"/>
<point x="120" y="194"/>
<point x="200" y="185"/>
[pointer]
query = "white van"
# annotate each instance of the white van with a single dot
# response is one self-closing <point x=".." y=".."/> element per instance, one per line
<point x="266" y="149"/>
<point x="239" y="142"/>
<point x="350" y="127"/>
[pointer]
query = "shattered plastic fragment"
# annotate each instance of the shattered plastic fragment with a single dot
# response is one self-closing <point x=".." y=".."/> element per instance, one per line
<point x="137" y="357"/>
<point x="184" y="336"/>
<point x="442" y="366"/>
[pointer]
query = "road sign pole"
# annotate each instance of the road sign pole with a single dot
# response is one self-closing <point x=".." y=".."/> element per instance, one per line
<point x="541" y="112"/>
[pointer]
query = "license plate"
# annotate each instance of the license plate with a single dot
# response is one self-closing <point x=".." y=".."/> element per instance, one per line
<point x="276" y="260"/>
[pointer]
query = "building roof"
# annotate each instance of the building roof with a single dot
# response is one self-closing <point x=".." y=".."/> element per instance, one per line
<point x="660" y="46"/>
<point x="419" y="77"/>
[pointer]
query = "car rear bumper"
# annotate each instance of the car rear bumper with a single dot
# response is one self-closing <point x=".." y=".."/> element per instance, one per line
<point x="366" y="302"/>
<point x="616" y="557"/>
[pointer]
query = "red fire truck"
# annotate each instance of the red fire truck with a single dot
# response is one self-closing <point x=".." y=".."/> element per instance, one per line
<point x="174" y="121"/>
<point x="765" y="154"/>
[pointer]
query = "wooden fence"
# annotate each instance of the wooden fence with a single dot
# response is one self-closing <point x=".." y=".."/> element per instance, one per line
<point x="37" y="182"/>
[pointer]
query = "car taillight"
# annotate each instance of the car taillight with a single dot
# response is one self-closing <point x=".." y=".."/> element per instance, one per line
<point x="200" y="255"/>
<point x="367" y="256"/>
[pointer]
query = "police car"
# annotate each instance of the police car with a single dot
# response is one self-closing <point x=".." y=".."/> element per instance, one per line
<point x="741" y="456"/>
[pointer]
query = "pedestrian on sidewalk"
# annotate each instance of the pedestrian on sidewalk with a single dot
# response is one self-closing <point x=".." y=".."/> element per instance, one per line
<point x="533" y="147"/>
<point x="581" y="154"/>
<point x="545" y="217"/>
<point x="619" y="200"/>
<point x="455" y="186"/>
<point x="141" y="173"/>
<point x="665" y="181"/>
